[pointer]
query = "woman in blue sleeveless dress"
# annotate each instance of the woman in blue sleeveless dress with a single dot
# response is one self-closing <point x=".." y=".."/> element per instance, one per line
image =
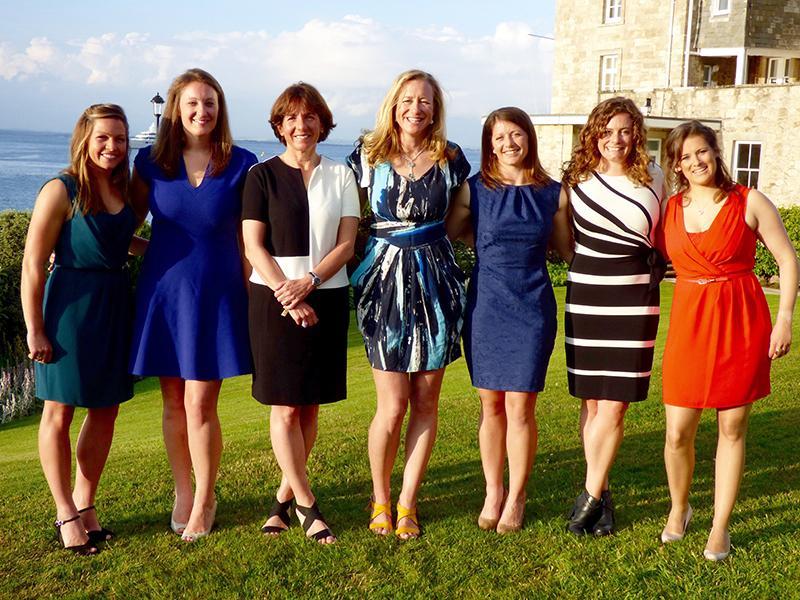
<point x="408" y="289"/>
<point x="512" y="210"/>
<point x="191" y="303"/>
<point x="79" y="321"/>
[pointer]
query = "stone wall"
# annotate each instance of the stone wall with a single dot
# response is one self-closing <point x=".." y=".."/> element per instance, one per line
<point x="721" y="31"/>
<point x="774" y="24"/>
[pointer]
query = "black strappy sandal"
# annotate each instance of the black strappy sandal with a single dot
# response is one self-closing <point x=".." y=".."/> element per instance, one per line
<point x="98" y="535"/>
<point x="311" y="514"/>
<point x="282" y="510"/>
<point x="86" y="549"/>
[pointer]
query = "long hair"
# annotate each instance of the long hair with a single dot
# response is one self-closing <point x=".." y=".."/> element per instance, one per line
<point x="586" y="156"/>
<point x="87" y="199"/>
<point x="722" y="177"/>
<point x="167" y="152"/>
<point x="383" y="142"/>
<point x="293" y="98"/>
<point x="490" y="168"/>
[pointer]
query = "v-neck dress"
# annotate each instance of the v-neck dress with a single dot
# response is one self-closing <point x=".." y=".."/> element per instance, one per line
<point x="408" y="289"/>
<point x="612" y="304"/>
<point x="716" y="354"/>
<point x="191" y="300"/>
<point x="292" y="365"/>
<point x="88" y="310"/>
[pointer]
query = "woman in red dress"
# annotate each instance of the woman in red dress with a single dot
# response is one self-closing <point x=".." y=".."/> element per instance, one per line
<point x="721" y="340"/>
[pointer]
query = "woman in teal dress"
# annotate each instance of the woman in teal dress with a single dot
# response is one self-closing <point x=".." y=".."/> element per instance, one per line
<point x="78" y="321"/>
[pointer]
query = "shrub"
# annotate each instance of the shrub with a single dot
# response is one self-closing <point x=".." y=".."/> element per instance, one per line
<point x="13" y="227"/>
<point x="765" y="266"/>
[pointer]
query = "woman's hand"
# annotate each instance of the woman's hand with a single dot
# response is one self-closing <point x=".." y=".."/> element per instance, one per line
<point x="291" y="292"/>
<point x="780" y="341"/>
<point x="39" y="347"/>
<point x="304" y="315"/>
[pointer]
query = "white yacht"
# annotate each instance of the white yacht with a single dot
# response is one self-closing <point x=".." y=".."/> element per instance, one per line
<point x="144" y="138"/>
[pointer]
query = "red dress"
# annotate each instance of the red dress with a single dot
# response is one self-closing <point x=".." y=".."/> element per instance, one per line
<point x="716" y="355"/>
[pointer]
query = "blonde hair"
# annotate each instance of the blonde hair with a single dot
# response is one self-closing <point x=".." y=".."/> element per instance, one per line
<point x="167" y="152"/>
<point x="383" y="142"/>
<point x="586" y="156"/>
<point x="87" y="199"/>
<point x="674" y="144"/>
<point x="490" y="171"/>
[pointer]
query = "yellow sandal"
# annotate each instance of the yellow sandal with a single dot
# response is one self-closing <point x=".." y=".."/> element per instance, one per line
<point x="410" y="514"/>
<point x="376" y="510"/>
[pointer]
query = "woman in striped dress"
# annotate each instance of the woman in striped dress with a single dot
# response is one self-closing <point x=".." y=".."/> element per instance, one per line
<point x="612" y="305"/>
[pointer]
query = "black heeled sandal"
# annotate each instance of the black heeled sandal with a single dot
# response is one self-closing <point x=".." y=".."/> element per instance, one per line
<point x="98" y="535"/>
<point x="282" y="510"/>
<point x="86" y="549"/>
<point x="311" y="514"/>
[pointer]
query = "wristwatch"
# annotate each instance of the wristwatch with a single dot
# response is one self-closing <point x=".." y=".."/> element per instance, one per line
<point x="315" y="279"/>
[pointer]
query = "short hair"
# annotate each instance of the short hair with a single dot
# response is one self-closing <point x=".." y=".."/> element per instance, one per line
<point x="674" y="144"/>
<point x="383" y="142"/>
<point x="585" y="155"/>
<point x="167" y="152"/>
<point x="293" y="98"/>
<point x="87" y="199"/>
<point x="490" y="172"/>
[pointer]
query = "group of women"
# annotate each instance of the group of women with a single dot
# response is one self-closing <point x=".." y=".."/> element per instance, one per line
<point x="289" y="226"/>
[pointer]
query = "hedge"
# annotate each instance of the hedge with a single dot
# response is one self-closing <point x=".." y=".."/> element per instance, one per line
<point x="766" y="267"/>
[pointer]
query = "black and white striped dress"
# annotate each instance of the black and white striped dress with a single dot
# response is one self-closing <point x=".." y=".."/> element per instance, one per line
<point x="612" y="309"/>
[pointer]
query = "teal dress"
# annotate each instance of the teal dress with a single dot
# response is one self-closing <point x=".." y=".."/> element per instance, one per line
<point x="88" y="310"/>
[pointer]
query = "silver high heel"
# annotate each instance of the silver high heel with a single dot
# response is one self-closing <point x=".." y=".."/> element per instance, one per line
<point x="667" y="537"/>
<point x="178" y="528"/>
<point x="718" y="556"/>
<point x="193" y="536"/>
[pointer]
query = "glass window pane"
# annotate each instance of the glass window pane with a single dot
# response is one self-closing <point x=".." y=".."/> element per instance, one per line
<point x="742" y="178"/>
<point x="742" y="156"/>
<point x="754" y="179"/>
<point x="755" y="156"/>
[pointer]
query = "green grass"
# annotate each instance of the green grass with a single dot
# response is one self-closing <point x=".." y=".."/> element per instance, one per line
<point x="453" y="558"/>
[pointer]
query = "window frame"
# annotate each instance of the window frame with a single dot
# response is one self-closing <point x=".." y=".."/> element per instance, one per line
<point x="778" y="79"/>
<point x="615" y="71"/>
<point x="737" y="168"/>
<point x="609" y="8"/>
<point x="717" y="11"/>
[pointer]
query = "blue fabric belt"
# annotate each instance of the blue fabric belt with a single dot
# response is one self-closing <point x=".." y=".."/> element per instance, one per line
<point x="408" y="236"/>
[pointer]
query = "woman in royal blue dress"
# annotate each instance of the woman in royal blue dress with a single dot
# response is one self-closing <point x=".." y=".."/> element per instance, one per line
<point x="509" y="212"/>
<point x="191" y="305"/>
<point x="408" y="290"/>
<point x="79" y="320"/>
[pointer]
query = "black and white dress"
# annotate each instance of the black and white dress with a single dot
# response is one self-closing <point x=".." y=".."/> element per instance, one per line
<point x="296" y="366"/>
<point x="612" y="306"/>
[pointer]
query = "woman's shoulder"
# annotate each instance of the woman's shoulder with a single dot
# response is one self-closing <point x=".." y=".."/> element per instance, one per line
<point x="243" y="156"/>
<point x="144" y="155"/>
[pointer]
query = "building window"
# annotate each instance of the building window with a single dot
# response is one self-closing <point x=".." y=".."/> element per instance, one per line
<point x="778" y="70"/>
<point x="654" y="150"/>
<point x="609" y="71"/>
<point x="747" y="163"/>
<point x="721" y="7"/>
<point x="612" y="11"/>
<point x="708" y="75"/>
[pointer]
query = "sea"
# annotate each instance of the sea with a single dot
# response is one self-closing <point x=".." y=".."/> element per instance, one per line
<point x="28" y="159"/>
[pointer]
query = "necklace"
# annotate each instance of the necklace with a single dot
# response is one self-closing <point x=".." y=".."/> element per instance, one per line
<point x="411" y="164"/>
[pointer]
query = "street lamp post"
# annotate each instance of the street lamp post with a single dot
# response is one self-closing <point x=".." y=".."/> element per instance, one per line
<point x="158" y="107"/>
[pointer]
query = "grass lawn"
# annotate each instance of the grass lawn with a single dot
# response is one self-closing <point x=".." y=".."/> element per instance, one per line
<point x="454" y="557"/>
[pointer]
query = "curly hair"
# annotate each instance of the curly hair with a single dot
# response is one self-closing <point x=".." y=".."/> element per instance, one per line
<point x="586" y="156"/>
<point x="88" y="200"/>
<point x="722" y="177"/>
<point x="383" y="142"/>
<point x="167" y="152"/>
<point x="490" y="173"/>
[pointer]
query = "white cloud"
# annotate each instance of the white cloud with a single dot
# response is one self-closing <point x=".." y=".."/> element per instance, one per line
<point x="39" y="54"/>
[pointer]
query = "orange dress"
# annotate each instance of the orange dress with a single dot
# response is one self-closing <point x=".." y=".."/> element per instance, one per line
<point x="716" y="355"/>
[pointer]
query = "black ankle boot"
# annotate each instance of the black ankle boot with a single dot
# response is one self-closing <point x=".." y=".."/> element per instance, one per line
<point x="605" y="524"/>
<point x="585" y="514"/>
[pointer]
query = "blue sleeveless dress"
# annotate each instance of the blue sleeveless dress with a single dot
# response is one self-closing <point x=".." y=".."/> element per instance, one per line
<point x="408" y="289"/>
<point x="510" y="320"/>
<point x="88" y="310"/>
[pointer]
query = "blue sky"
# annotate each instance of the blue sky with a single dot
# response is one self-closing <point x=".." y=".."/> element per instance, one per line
<point x="57" y="57"/>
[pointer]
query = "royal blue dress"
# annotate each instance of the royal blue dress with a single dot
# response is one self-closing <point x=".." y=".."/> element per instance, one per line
<point x="408" y="289"/>
<point x="191" y="300"/>
<point x="510" y="320"/>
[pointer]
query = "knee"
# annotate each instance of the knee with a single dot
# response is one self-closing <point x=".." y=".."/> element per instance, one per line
<point x="391" y="412"/>
<point x="424" y="406"/>
<point x="57" y="417"/>
<point x="202" y="408"/>
<point x="679" y="439"/>
<point x="493" y="408"/>
<point x="733" y="432"/>
<point x="615" y="413"/>
<point x="520" y="411"/>
<point x="285" y="416"/>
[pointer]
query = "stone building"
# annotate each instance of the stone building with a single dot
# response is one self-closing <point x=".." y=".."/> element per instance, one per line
<point x="733" y="64"/>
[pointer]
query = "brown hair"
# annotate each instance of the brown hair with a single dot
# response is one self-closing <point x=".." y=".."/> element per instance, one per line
<point x="87" y="199"/>
<point x="490" y="171"/>
<point x="383" y="142"/>
<point x="297" y="96"/>
<point x="167" y="152"/>
<point x="674" y="144"/>
<point x="586" y="156"/>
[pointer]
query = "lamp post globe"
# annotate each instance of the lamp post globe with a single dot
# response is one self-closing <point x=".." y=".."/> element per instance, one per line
<point x="158" y="107"/>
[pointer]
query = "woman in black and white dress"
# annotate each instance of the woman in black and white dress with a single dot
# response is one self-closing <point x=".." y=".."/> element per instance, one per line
<point x="300" y="215"/>
<point x="612" y="305"/>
